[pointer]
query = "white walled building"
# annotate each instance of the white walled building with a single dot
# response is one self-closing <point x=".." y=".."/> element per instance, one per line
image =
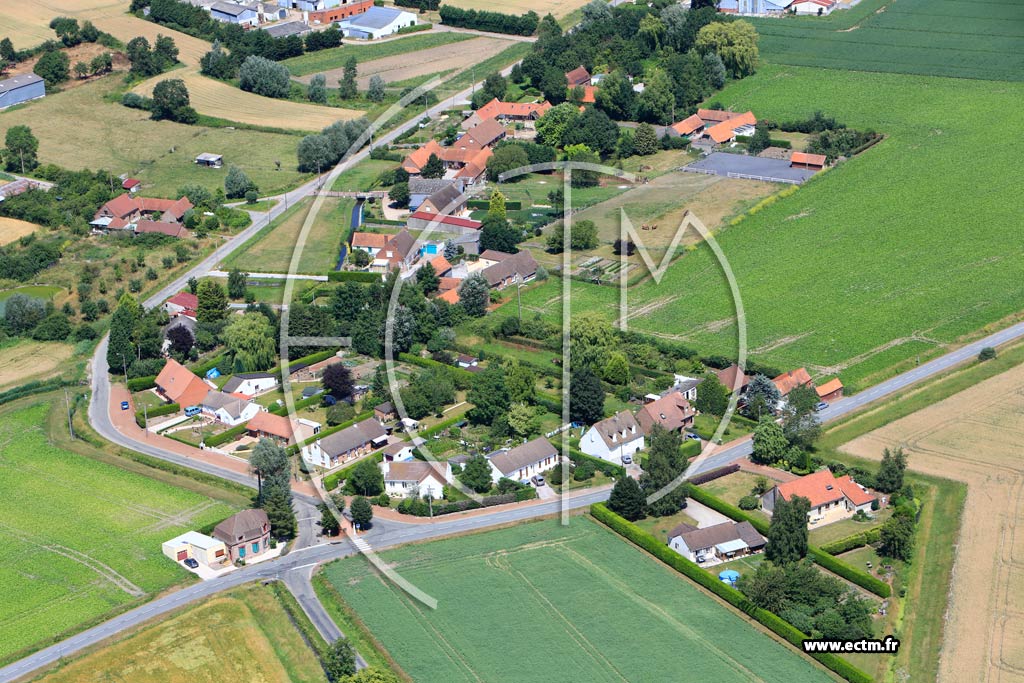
<point x="614" y="437"/>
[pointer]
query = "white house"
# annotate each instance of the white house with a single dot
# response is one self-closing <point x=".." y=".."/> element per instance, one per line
<point x="203" y="549"/>
<point x="400" y="451"/>
<point x="524" y="461"/>
<point x="250" y="383"/>
<point x="716" y="543"/>
<point x="614" y="437"/>
<point x="182" y="303"/>
<point x="813" y="7"/>
<point x="233" y="13"/>
<point x="377" y="22"/>
<point x="347" y="445"/>
<point x="832" y="498"/>
<point x="416" y="478"/>
<point x="687" y="386"/>
<point x="228" y="409"/>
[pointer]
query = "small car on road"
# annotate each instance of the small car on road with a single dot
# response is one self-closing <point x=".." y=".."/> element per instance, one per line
<point x="124" y="405"/>
<point x="191" y="563"/>
<point x="821" y="406"/>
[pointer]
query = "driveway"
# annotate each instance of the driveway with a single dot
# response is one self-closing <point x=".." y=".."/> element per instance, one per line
<point x="703" y="515"/>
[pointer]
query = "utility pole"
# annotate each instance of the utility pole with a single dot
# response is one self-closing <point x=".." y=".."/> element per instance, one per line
<point x="145" y="418"/>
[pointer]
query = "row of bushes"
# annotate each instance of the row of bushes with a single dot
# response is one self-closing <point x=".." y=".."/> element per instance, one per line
<point x="607" y="468"/>
<point x="858" y="540"/>
<point x="692" y="571"/>
<point x="494" y="22"/>
<point x="431" y="5"/>
<point x="834" y="565"/>
<point x="422" y="362"/>
<point x="141" y="383"/>
<point x="419" y="508"/>
<point x="415" y="28"/>
<point x="512" y="205"/>
<point x="156" y="411"/>
<point x="31" y="388"/>
<point x="440" y="427"/>
<point x="352" y="276"/>
<point x="784" y="144"/>
<point x="716" y="473"/>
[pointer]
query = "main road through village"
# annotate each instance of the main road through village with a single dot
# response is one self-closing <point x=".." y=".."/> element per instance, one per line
<point x="296" y="567"/>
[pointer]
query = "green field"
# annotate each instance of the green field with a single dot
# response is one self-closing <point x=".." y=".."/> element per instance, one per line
<point x="971" y="39"/>
<point x="270" y="251"/>
<point x="889" y="257"/>
<point x="159" y="153"/>
<point x="557" y="599"/>
<point x="334" y="58"/>
<point x="82" y="538"/>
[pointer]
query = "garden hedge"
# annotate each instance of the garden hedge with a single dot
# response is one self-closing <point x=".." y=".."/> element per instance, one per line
<point x="30" y="388"/>
<point x="332" y="480"/>
<point x="608" y="468"/>
<point x="716" y="473"/>
<point x="141" y="383"/>
<point x="513" y="205"/>
<point x="440" y="426"/>
<point x="692" y="571"/>
<point x="834" y="565"/>
<point x="858" y="540"/>
<point x="157" y="411"/>
<point x="352" y="276"/>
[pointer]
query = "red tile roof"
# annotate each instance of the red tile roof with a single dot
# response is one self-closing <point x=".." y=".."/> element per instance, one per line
<point x="448" y="283"/>
<point x="728" y="377"/>
<point x="120" y="206"/>
<point x="447" y="220"/>
<point x="829" y="387"/>
<point x="440" y="264"/>
<point x="823" y="487"/>
<point x="172" y="229"/>
<point x="724" y="131"/>
<point x="578" y="76"/>
<point x="483" y="134"/>
<point x="186" y="300"/>
<point x="451" y="296"/>
<point x="808" y="159"/>
<point x="788" y="381"/>
<point x="589" y="94"/>
<point x="496" y="108"/>
<point x="717" y="115"/>
<point x="181" y="385"/>
<point x="129" y="183"/>
<point x="671" y="411"/>
<point x="418" y="158"/>
<point x="269" y="423"/>
<point x="688" y="125"/>
<point x="369" y="240"/>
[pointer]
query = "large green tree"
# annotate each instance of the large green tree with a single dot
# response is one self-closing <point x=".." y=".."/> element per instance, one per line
<point x="735" y="42"/>
<point x="213" y="302"/>
<point x="361" y="511"/>
<point x="489" y="396"/>
<point x="366" y="478"/>
<point x="237" y="183"/>
<point x="171" y="102"/>
<point x="250" y="340"/>
<point x="120" y="347"/>
<point x="555" y="123"/>
<point x="476" y="474"/>
<point x="506" y="158"/>
<point x="890" y="473"/>
<point x="53" y="67"/>
<point x="340" y="661"/>
<point x="586" y="397"/>
<point x="787" y="533"/>
<point x="762" y="397"/>
<point x="434" y="168"/>
<point x="22" y="147"/>
<point x="499" y="235"/>
<point x="627" y="500"/>
<point x="770" y="443"/>
<point x="347" y="86"/>
<point x="665" y="462"/>
<point x="712" y="396"/>
<point x="474" y="295"/>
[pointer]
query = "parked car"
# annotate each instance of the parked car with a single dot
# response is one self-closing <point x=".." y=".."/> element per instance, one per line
<point x="627" y="459"/>
<point x="191" y="563"/>
<point x="124" y="405"/>
<point x="690" y="436"/>
<point x="821" y="406"/>
<point x="537" y="480"/>
<point x="192" y="411"/>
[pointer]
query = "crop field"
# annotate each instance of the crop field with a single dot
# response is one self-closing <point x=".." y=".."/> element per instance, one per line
<point x="224" y="101"/>
<point x="82" y="538"/>
<point x="244" y="634"/>
<point x="975" y="436"/>
<point x="26" y="360"/>
<point x="559" y="8"/>
<point x="881" y="260"/>
<point x="334" y="58"/>
<point x="12" y="229"/>
<point x="271" y="250"/>
<point x="573" y="598"/>
<point x="973" y="39"/>
<point x="159" y="153"/>
<point x="403" y="67"/>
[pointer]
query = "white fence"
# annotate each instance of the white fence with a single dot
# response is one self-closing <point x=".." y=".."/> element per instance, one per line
<point x="745" y="176"/>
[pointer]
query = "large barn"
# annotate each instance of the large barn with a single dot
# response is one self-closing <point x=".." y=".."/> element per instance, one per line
<point x="21" y="89"/>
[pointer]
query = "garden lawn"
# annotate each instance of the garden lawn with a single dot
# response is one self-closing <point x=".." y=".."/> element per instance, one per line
<point x="82" y="538"/>
<point x="875" y="263"/>
<point x="563" y="598"/>
<point x="334" y="58"/>
<point x="973" y="39"/>
<point x="270" y="251"/>
<point x="244" y="634"/>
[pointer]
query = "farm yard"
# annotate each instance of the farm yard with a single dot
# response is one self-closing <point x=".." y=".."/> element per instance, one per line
<point x="324" y="61"/>
<point x="82" y="538"/>
<point x="975" y="437"/>
<point x="530" y="589"/>
<point x="867" y="267"/>
<point x="243" y="634"/>
<point x="425" y="62"/>
<point x="271" y="249"/>
<point x="927" y="37"/>
<point x="159" y="153"/>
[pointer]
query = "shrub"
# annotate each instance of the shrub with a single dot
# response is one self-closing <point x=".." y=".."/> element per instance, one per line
<point x="383" y="500"/>
<point x="749" y="503"/>
<point x="987" y="353"/>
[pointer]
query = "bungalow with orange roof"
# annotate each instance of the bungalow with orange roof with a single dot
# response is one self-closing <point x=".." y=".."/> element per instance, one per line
<point x="832" y="498"/>
<point x="815" y="162"/>
<point x="728" y="130"/>
<point x="691" y="125"/>
<point x="440" y="264"/>
<point x="507" y="111"/>
<point x="370" y="242"/>
<point x="178" y="384"/>
<point x="788" y="381"/>
<point x="831" y="390"/>
<point x="280" y="428"/>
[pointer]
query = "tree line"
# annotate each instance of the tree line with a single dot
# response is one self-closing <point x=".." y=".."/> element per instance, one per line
<point x="495" y="22"/>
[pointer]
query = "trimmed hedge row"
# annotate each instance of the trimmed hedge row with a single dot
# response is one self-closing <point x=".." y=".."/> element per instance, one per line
<point x="608" y="468"/>
<point x="225" y="436"/>
<point x="332" y="480"/>
<point x="514" y="205"/>
<point x="716" y="473"/>
<point x="527" y="493"/>
<point x="690" y="449"/>
<point x="860" y="540"/>
<point x="440" y="426"/>
<point x="834" y="565"/>
<point x="141" y="383"/>
<point x="30" y="388"/>
<point x="352" y="276"/>
<point x="692" y="571"/>
<point x="157" y="411"/>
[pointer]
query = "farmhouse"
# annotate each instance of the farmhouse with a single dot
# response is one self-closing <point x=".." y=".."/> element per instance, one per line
<point x="726" y="131"/>
<point x="207" y="551"/>
<point x="348" y="444"/>
<point x="506" y="111"/>
<point x="524" y="461"/>
<point x="177" y="384"/>
<point x="731" y="375"/>
<point x="813" y="7"/>
<point x="182" y="303"/>
<point x="832" y="498"/>
<point x="717" y="543"/>
<point x="246" y="534"/>
<point x="613" y="437"/>
<point x="21" y="89"/>
<point x="831" y="390"/>
<point x="377" y="22"/>
<point x="711" y="117"/>
<point x="370" y="242"/>
<point x="397" y="252"/>
<point x="417" y="159"/>
<point x="691" y="125"/>
<point x="421" y="220"/>
<point x="416" y="478"/>
<point x="250" y="383"/>
<point x="509" y="269"/>
<point x="815" y="162"/>
<point x="448" y="199"/>
<point x="672" y="411"/>
<point x="485" y="134"/>
<point x="142" y="214"/>
<point x="788" y="381"/>
<point x="578" y="76"/>
<point x="229" y="409"/>
<point x="422" y="188"/>
<point x="231" y="13"/>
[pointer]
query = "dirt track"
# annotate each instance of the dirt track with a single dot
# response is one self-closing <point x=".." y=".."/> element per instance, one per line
<point x="421" y="63"/>
<point x="976" y="436"/>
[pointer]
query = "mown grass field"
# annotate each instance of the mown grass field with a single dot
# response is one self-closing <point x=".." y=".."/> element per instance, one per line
<point x="244" y="634"/>
<point x="22" y="360"/>
<point x="272" y="248"/>
<point x="334" y="58"/>
<point x="82" y="538"/>
<point x="890" y="257"/>
<point x="557" y="599"/>
<point x="159" y="153"/>
<point x="972" y="39"/>
<point x="12" y="229"/>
